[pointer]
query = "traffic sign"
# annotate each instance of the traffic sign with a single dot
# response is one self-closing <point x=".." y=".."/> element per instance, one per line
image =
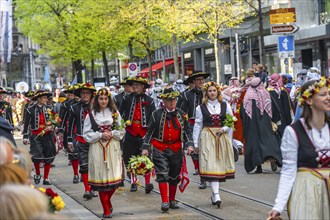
<point x="284" y="29"/>
<point x="286" y="46"/>
<point x="133" y="70"/>
<point x="282" y="15"/>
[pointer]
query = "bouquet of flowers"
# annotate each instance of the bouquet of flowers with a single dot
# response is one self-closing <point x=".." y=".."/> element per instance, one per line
<point x="55" y="201"/>
<point x="229" y="121"/>
<point x="53" y="118"/>
<point x="140" y="165"/>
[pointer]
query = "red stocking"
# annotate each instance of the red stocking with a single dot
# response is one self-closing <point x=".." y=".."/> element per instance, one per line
<point x="85" y="180"/>
<point x="109" y="195"/>
<point x="105" y="203"/>
<point x="37" y="167"/>
<point x="196" y="164"/>
<point x="172" y="192"/>
<point x="163" y="188"/>
<point x="46" y="170"/>
<point x="75" y="165"/>
<point x="147" y="178"/>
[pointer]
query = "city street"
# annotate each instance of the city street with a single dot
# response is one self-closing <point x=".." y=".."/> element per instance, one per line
<point x="248" y="196"/>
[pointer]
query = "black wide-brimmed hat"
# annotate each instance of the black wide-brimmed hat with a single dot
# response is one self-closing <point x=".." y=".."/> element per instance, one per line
<point x="169" y="93"/>
<point x="138" y="79"/>
<point x="196" y="74"/>
<point x="70" y="89"/>
<point x="83" y="86"/>
<point x="124" y="81"/>
<point x="3" y="91"/>
<point x="40" y="93"/>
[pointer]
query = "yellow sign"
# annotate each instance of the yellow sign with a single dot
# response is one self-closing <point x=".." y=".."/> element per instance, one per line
<point x="282" y="15"/>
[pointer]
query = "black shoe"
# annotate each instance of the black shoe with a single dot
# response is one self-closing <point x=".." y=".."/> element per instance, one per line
<point x="47" y="182"/>
<point x="52" y="165"/>
<point x="203" y="185"/>
<point x="94" y="194"/>
<point x="69" y="164"/>
<point x="174" y="204"/>
<point x="149" y="188"/>
<point x="106" y="216"/>
<point x="165" y="207"/>
<point x="195" y="172"/>
<point x="87" y="195"/>
<point x="236" y="154"/>
<point x="218" y="202"/>
<point x="273" y="165"/>
<point x="121" y="184"/>
<point x="75" y="179"/>
<point x="259" y="169"/>
<point x="133" y="188"/>
<point x="37" y="179"/>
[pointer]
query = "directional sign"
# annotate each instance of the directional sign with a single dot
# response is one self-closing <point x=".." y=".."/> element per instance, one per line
<point x="285" y="47"/>
<point x="282" y="15"/>
<point x="284" y="29"/>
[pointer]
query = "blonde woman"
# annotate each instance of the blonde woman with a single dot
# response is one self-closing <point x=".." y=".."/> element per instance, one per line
<point x="213" y="139"/>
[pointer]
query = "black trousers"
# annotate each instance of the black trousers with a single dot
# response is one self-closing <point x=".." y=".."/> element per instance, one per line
<point x="74" y="154"/>
<point x="132" y="146"/>
<point x="83" y="150"/>
<point x="42" y="148"/>
<point x="167" y="165"/>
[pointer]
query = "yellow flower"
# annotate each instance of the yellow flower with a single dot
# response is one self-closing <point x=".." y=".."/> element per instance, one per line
<point x="60" y="206"/>
<point x="42" y="189"/>
<point x="128" y="122"/>
<point x="56" y="200"/>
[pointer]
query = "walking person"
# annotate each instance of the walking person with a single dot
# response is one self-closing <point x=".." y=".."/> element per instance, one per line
<point x="136" y="108"/>
<point x="5" y="107"/>
<point x="103" y="130"/>
<point x="167" y="130"/>
<point x="42" y="147"/>
<point x="305" y="176"/>
<point x="262" y="142"/>
<point x="213" y="139"/>
<point x="127" y="90"/>
<point x="77" y="116"/>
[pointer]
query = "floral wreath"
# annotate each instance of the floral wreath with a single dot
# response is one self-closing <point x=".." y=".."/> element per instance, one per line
<point x="314" y="89"/>
<point x="170" y="95"/>
<point x="209" y="84"/>
<point x="138" y="79"/>
<point x="86" y="86"/>
<point x="103" y="92"/>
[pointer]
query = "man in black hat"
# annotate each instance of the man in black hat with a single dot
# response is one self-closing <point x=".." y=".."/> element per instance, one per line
<point x="5" y="107"/>
<point x="167" y="130"/>
<point x="137" y="108"/>
<point x="63" y="129"/>
<point x="76" y="119"/>
<point x="127" y="90"/>
<point x="190" y="101"/>
<point x="37" y="120"/>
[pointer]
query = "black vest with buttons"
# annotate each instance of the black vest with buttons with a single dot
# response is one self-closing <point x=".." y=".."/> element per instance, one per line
<point x="208" y="120"/>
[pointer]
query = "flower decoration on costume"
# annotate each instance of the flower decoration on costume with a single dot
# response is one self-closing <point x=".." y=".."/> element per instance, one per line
<point x="138" y="79"/>
<point x="55" y="201"/>
<point x="170" y="95"/>
<point x="314" y="89"/>
<point x="229" y="121"/>
<point x="140" y="165"/>
<point x="128" y="122"/>
<point x="103" y="92"/>
<point x="186" y="116"/>
<point x="209" y="84"/>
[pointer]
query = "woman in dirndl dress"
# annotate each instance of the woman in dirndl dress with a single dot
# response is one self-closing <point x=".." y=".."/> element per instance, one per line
<point x="305" y="176"/>
<point x="103" y="130"/>
<point x="213" y="140"/>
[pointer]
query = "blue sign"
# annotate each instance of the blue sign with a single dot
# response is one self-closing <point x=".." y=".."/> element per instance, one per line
<point x="286" y="46"/>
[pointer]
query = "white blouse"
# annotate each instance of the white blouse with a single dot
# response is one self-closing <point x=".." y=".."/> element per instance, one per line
<point x="101" y="118"/>
<point x="289" y="148"/>
<point x="214" y="108"/>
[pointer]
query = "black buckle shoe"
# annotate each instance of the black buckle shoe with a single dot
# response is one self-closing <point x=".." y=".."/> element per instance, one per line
<point x="106" y="216"/>
<point x="174" y="204"/>
<point x="52" y="165"/>
<point x="47" y="182"/>
<point x="149" y="188"/>
<point x="37" y="179"/>
<point x="94" y="194"/>
<point x="203" y="185"/>
<point x="165" y="207"/>
<point x="75" y="179"/>
<point x="133" y="188"/>
<point x="259" y="169"/>
<point x="195" y="172"/>
<point x="218" y="202"/>
<point x="87" y="195"/>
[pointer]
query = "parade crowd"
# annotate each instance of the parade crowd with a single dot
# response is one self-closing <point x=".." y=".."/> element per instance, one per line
<point x="142" y="129"/>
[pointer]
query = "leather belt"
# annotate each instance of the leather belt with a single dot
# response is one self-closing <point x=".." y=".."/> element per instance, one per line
<point x="136" y="122"/>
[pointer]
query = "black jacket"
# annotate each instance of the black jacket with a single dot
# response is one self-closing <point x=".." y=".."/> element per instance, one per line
<point x="76" y="119"/>
<point x="7" y="114"/>
<point x="64" y="113"/>
<point x="191" y="100"/>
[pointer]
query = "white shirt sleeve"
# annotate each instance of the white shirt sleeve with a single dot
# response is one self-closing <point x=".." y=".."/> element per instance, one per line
<point x="198" y="126"/>
<point x="89" y="135"/>
<point x="289" y="149"/>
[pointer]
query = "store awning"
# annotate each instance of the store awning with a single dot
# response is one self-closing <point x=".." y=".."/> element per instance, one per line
<point x="157" y="66"/>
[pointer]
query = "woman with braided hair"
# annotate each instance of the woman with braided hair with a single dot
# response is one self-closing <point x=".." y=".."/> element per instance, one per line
<point x="306" y="158"/>
<point x="103" y="130"/>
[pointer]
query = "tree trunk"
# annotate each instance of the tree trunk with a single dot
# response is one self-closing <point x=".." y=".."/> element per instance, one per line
<point x="217" y="60"/>
<point x="149" y="54"/>
<point x="130" y="50"/>
<point x="175" y="56"/>
<point x="77" y="70"/>
<point x="262" y="51"/>
<point x="106" y="69"/>
<point x="92" y="71"/>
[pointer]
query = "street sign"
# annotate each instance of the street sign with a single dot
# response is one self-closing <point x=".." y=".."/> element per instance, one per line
<point x="282" y="15"/>
<point x="285" y="46"/>
<point x="133" y="70"/>
<point x="284" y="29"/>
